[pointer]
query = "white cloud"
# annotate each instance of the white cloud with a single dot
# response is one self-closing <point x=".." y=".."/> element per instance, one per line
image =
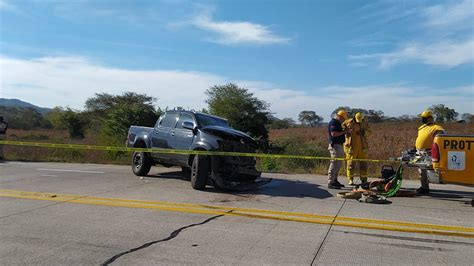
<point x="450" y="14"/>
<point x="69" y="81"/>
<point x="6" y="6"/>
<point x="233" y="33"/>
<point x="445" y="39"/>
<point x="446" y="54"/>
<point x="3" y="4"/>
<point x="394" y="100"/>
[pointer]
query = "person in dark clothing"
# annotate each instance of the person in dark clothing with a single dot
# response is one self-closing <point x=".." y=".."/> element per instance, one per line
<point x="3" y="131"/>
<point x="336" y="141"/>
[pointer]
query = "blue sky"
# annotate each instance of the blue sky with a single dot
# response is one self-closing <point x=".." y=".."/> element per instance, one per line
<point x="396" y="56"/>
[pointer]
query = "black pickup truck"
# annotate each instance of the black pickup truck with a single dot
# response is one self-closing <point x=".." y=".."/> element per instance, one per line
<point x="189" y="130"/>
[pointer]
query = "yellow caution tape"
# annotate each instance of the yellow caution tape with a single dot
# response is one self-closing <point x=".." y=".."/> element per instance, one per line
<point x="172" y="151"/>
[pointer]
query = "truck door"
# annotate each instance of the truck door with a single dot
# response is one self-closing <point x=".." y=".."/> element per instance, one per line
<point x="183" y="138"/>
<point x="162" y="135"/>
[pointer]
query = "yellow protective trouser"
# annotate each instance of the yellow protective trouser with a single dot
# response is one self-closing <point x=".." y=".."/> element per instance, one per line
<point x="356" y="154"/>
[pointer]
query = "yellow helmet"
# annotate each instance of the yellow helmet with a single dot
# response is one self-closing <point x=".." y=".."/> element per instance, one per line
<point x="426" y="114"/>
<point x="342" y="113"/>
<point x="358" y="117"/>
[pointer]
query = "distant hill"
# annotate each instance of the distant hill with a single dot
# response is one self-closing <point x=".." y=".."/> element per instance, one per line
<point x="20" y="103"/>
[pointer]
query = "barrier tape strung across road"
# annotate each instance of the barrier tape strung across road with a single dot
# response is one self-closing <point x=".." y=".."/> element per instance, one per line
<point x="366" y="223"/>
<point x="170" y="151"/>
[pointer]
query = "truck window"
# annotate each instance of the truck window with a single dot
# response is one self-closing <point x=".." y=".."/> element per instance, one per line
<point x="158" y="122"/>
<point x="205" y="121"/>
<point x="184" y="118"/>
<point x="169" y="120"/>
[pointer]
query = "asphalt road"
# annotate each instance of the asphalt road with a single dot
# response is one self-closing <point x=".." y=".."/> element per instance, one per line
<point x="56" y="213"/>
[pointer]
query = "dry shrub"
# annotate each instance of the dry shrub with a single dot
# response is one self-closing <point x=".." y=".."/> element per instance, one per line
<point x="24" y="153"/>
<point x="386" y="141"/>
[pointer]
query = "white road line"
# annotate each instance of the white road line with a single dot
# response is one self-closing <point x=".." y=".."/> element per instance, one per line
<point x="50" y="175"/>
<point x="70" y="170"/>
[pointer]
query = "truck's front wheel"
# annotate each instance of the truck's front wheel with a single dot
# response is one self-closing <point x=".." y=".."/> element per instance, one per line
<point x="141" y="163"/>
<point x="200" y="172"/>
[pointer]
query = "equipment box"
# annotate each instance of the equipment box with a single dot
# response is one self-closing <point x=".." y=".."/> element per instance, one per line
<point x="453" y="158"/>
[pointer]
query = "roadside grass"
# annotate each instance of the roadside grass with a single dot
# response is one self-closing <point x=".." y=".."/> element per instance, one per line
<point x="387" y="140"/>
<point x="34" y="154"/>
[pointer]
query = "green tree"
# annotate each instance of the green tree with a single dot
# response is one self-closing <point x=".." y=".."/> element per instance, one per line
<point x="75" y="122"/>
<point x="407" y="118"/>
<point x="23" y="117"/>
<point x="373" y="116"/>
<point x="119" y="120"/>
<point x="309" y="118"/>
<point x="114" y="114"/>
<point x="443" y="113"/>
<point x="276" y="123"/>
<point x="243" y="111"/>
<point x="54" y="117"/>
<point x="467" y="117"/>
<point x="101" y="103"/>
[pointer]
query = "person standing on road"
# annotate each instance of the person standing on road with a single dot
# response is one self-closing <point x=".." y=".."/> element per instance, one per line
<point x="3" y="132"/>
<point x="356" y="145"/>
<point x="336" y="140"/>
<point x="426" y="134"/>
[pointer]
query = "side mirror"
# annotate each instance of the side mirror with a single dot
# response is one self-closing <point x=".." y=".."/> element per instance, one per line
<point x="188" y="125"/>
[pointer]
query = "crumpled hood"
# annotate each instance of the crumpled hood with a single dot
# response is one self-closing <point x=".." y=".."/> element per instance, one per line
<point x="229" y="134"/>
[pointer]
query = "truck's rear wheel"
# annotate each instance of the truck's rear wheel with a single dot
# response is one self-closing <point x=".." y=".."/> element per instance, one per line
<point x="141" y="163"/>
<point x="200" y="172"/>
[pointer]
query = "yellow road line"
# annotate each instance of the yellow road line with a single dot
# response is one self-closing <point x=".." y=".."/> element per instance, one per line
<point x="249" y="213"/>
<point x="62" y="197"/>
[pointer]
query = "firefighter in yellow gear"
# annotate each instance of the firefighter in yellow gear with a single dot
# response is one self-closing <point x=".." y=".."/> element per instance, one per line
<point x="356" y="145"/>
<point x="427" y="131"/>
<point x="426" y="134"/>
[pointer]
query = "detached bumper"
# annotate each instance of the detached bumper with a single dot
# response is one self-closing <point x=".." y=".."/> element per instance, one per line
<point x="248" y="170"/>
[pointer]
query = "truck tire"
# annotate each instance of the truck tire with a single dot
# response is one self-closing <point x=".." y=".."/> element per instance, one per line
<point x="199" y="172"/>
<point x="141" y="163"/>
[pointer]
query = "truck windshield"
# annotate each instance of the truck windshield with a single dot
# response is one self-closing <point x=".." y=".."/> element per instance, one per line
<point x="204" y="121"/>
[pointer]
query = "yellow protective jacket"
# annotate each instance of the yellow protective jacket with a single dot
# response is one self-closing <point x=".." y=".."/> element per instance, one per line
<point x="426" y="134"/>
<point x="356" y="136"/>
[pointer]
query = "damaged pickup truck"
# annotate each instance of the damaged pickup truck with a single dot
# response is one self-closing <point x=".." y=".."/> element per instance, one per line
<point x="189" y="130"/>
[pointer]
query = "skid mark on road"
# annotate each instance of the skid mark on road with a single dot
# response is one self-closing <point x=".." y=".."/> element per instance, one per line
<point x="386" y="225"/>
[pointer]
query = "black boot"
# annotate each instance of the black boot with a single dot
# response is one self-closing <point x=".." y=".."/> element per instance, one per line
<point x="423" y="191"/>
